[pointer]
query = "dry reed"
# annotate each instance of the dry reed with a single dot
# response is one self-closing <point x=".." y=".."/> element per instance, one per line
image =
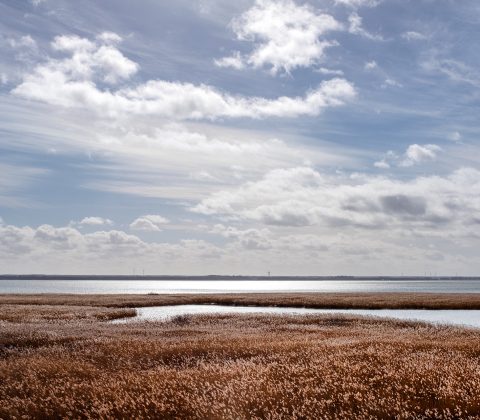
<point x="236" y="366"/>
<point x="309" y="300"/>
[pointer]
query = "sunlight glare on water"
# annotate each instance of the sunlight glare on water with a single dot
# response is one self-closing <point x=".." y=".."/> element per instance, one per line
<point x="231" y="286"/>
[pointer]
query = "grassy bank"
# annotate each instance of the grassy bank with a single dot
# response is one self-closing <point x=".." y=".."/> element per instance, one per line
<point x="235" y="366"/>
<point x="309" y="300"/>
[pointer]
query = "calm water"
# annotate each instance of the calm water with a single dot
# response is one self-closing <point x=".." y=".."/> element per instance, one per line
<point x="228" y="286"/>
<point x="469" y="318"/>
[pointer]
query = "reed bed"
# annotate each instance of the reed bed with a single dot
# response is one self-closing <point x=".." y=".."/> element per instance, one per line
<point x="237" y="367"/>
<point x="308" y="300"/>
<point x="40" y="313"/>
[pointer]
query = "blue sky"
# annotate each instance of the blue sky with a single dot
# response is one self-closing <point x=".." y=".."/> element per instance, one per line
<point x="297" y="137"/>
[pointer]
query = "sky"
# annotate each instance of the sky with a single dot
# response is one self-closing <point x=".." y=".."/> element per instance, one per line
<point x="321" y="137"/>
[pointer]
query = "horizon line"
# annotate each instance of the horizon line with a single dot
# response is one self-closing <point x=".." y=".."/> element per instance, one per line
<point x="228" y="276"/>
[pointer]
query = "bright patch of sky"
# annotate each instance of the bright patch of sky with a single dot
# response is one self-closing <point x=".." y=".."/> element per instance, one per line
<point x="296" y="137"/>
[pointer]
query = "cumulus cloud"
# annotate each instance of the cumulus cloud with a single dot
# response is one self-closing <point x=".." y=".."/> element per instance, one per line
<point x="414" y="155"/>
<point x="71" y="83"/>
<point x="285" y="36"/>
<point x="64" y="238"/>
<point x="150" y="222"/>
<point x="47" y="239"/>
<point x="89" y="59"/>
<point x="109" y="37"/>
<point x="382" y="164"/>
<point x="301" y="196"/>
<point x="55" y="249"/>
<point x="94" y="221"/>
<point x="253" y="239"/>
<point x="235" y="61"/>
<point x="417" y="153"/>
<point x="58" y="250"/>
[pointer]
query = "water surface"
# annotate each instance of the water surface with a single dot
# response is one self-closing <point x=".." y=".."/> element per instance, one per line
<point x="237" y="286"/>
<point x="468" y="318"/>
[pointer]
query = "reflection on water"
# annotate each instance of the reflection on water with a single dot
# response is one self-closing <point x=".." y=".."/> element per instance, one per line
<point x="232" y="286"/>
<point x="469" y="318"/>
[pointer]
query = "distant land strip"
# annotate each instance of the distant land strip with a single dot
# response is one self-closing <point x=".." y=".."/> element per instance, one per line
<point x="316" y="300"/>
<point x="220" y="277"/>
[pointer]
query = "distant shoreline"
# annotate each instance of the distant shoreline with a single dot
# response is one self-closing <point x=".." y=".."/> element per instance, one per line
<point x="322" y="300"/>
<point x="223" y="278"/>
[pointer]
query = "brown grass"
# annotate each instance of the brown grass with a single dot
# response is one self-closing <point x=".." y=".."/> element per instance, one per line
<point x="40" y="313"/>
<point x="234" y="366"/>
<point x="308" y="300"/>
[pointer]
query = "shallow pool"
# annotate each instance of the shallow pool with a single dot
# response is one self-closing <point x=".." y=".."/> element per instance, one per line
<point x="469" y="318"/>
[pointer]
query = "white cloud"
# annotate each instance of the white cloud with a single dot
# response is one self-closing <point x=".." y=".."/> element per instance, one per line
<point x="261" y="239"/>
<point x="329" y="72"/>
<point x="356" y="28"/>
<point x="52" y="249"/>
<point x="370" y="65"/>
<point x="414" y="155"/>
<point x="150" y="158"/>
<point x="455" y="136"/>
<point x="382" y="164"/>
<point x="74" y="44"/>
<point x="150" y="222"/>
<point x="25" y="41"/>
<point x="286" y="36"/>
<point x="300" y="197"/>
<point x="417" y="153"/>
<point x="48" y="249"/>
<point x="389" y="82"/>
<point x="46" y="240"/>
<point x="89" y="58"/>
<point x="109" y="37"/>
<point x="94" y="221"/>
<point x="75" y="82"/>
<point x="413" y="36"/>
<point x="358" y="3"/>
<point x="70" y="83"/>
<point x="235" y="61"/>
<point x="253" y="239"/>
<point x="25" y="48"/>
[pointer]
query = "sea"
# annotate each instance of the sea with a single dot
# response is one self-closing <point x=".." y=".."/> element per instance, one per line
<point x="229" y="285"/>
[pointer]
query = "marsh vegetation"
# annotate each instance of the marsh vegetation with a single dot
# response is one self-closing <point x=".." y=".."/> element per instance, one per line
<point x="65" y="361"/>
<point x="294" y="300"/>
